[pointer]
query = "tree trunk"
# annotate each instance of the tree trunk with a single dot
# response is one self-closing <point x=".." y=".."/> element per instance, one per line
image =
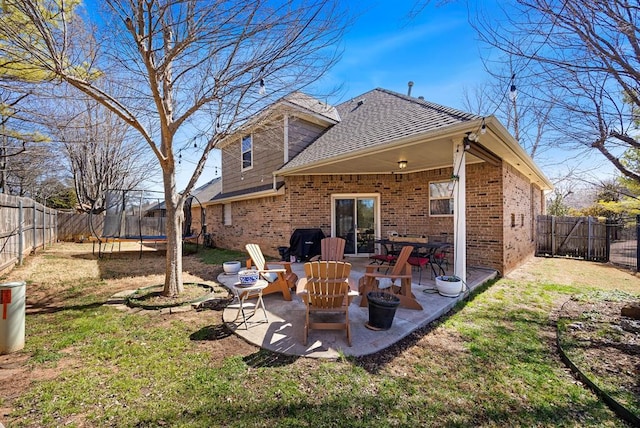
<point x="173" y="284"/>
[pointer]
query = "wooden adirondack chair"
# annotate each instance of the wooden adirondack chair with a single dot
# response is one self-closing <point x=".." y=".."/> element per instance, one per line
<point x="332" y="249"/>
<point x="398" y="281"/>
<point x="280" y="280"/>
<point x="326" y="290"/>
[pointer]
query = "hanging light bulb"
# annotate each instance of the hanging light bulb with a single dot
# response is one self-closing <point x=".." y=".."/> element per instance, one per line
<point x="513" y="94"/>
<point x="483" y="128"/>
<point x="262" y="89"/>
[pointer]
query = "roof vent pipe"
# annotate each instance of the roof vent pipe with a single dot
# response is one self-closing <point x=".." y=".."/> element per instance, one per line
<point x="410" y="86"/>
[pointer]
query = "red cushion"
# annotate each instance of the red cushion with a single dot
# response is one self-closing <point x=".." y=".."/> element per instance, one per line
<point x="418" y="261"/>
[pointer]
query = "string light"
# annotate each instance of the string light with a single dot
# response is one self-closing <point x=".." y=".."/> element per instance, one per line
<point x="262" y="89"/>
<point x="483" y="128"/>
<point x="513" y="94"/>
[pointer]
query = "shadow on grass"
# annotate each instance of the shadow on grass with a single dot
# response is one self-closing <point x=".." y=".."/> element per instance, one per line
<point x="263" y="358"/>
<point x="50" y="306"/>
<point x="211" y="333"/>
<point x="374" y="363"/>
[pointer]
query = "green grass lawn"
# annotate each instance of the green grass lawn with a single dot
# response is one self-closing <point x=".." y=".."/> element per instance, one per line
<point x="491" y="363"/>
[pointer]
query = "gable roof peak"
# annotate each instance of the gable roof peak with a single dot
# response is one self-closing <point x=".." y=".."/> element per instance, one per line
<point x="314" y="105"/>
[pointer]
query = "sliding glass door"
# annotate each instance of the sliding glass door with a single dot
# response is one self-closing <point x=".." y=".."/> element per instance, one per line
<point x="355" y="218"/>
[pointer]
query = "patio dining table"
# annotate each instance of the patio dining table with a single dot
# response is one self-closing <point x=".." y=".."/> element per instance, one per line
<point x="432" y="249"/>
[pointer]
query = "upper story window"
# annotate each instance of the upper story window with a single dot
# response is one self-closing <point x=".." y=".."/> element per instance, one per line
<point x="441" y="198"/>
<point x="247" y="152"/>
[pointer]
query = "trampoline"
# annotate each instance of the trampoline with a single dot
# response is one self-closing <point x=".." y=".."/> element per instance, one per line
<point x="140" y="216"/>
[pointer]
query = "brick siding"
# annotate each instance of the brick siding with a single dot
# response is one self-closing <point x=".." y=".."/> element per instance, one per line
<point x="493" y="194"/>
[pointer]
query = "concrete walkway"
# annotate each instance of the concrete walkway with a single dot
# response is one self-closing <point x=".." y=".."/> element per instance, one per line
<point x="284" y="331"/>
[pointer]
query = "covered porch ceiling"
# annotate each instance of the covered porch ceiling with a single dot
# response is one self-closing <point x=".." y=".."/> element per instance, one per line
<point x="428" y="152"/>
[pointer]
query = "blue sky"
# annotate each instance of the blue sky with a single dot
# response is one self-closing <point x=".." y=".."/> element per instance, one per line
<point x="438" y="50"/>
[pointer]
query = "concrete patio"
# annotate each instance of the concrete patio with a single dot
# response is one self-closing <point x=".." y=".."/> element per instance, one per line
<point x="284" y="331"/>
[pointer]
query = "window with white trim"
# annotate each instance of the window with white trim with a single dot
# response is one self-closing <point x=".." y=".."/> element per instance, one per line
<point x="247" y="152"/>
<point x="441" y="198"/>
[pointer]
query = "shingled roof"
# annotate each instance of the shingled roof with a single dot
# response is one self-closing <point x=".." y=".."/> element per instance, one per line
<point x="314" y="105"/>
<point x="376" y="118"/>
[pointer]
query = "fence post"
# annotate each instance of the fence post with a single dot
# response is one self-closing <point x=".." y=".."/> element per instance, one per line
<point x="34" y="245"/>
<point x="553" y="235"/>
<point x="637" y="247"/>
<point x="20" y="231"/>
<point x="44" y="227"/>
<point x="609" y="229"/>
<point x="589" y="238"/>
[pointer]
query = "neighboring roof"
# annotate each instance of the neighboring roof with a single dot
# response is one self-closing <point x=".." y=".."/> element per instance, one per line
<point x="376" y="118"/>
<point x="207" y="191"/>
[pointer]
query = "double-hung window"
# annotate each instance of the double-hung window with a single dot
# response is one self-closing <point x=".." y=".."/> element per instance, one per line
<point x="247" y="152"/>
<point x="441" y="198"/>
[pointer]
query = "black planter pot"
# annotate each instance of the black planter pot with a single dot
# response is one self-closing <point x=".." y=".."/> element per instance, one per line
<point x="382" y="309"/>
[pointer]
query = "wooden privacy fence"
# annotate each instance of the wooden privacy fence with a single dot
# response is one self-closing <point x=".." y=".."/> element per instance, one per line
<point x="25" y="226"/>
<point x="579" y="237"/>
<point x="79" y="227"/>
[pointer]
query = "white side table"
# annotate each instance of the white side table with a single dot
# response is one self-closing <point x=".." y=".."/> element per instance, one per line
<point x="243" y="292"/>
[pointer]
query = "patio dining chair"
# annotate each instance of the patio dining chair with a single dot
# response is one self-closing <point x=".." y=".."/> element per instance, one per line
<point x="385" y="256"/>
<point x="280" y="280"/>
<point x="396" y="282"/>
<point x="325" y="290"/>
<point x="419" y="261"/>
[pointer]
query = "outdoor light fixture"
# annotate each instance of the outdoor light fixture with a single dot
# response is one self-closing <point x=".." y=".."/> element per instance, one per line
<point x="483" y="128"/>
<point x="402" y="164"/>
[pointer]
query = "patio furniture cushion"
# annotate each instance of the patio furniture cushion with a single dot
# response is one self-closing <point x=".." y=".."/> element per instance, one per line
<point x="270" y="276"/>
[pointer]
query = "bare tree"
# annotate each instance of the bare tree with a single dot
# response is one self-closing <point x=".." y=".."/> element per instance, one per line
<point x="191" y="71"/>
<point x="526" y="117"/>
<point x="584" y="60"/>
<point x="100" y="150"/>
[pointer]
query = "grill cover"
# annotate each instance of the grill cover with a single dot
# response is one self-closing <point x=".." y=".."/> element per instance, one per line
<point x="305" y="243"/>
